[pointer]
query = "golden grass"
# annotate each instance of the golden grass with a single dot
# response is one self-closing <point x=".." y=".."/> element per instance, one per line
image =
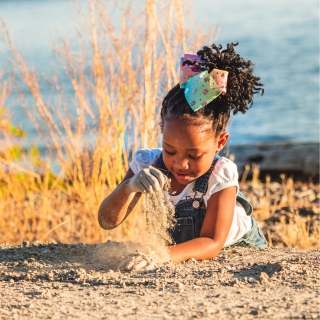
<point x="119" y="71"/>
<point x="288" y="212"/>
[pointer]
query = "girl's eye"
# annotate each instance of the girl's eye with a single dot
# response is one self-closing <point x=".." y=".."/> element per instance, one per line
<point x="171" y="153"/>
<point x="191" y="157"/>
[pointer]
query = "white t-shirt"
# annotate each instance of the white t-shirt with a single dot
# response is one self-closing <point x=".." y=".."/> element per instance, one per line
<point x="224" y="175"/>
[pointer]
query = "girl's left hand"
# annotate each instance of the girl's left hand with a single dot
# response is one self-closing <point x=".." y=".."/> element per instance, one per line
<point x="138" y="261"/>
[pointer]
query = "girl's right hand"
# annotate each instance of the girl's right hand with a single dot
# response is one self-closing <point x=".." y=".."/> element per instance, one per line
<point x="148" y="180"/>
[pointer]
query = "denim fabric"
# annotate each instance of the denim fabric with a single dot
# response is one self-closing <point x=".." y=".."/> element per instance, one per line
<point x="189" y="220"/>
<point x="253" y="238"/>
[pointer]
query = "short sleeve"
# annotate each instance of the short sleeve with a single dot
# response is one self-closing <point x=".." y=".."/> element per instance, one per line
<point x="224" y="175"/>
<point x="144" y="158"/>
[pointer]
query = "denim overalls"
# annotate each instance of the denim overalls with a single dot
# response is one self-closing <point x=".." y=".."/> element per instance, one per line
<point x="190" y="213"/>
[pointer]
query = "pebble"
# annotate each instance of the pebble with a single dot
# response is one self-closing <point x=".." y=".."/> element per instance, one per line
<point x="25" y="243"/>
<point x="252" y="280"/>
<point x="254" y="312"/>
<point x="182" y="278"/>
<point x="178" y="284"/>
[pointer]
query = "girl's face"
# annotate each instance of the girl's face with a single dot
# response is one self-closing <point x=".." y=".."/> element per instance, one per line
<point x="189" y="147"/>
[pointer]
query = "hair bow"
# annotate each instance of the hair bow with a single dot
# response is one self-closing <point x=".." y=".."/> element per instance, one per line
<point x="201" y="87"/>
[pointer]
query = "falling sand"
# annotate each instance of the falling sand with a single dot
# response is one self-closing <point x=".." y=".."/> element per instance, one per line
<point x="159" y="217"/>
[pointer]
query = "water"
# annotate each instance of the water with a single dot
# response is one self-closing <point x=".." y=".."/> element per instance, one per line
<point x="280" y="37"/>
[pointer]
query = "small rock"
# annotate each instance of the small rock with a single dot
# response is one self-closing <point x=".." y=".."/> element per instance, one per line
<point x="29" y="305"/>
<point x="178" y="284"/>
<point x="264" y="278"/>
<point x="25" y="243"/>
<point x="46" y="294"/>
<point x="55" y="286"/>
<point x="36" y="254"/>
<point x="264" y="275"/>
<point x="31" y="260"/>
<point x="50" y="276"/>
<point x="254" y="312"/>
<point x="252" y="280"/>
<point x="28" y="276"/>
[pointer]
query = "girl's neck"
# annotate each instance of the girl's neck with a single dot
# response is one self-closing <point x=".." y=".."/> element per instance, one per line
<point x="176" y="186"/>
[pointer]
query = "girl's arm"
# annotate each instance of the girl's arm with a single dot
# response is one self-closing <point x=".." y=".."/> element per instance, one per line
<point x="118" y="205"/>
<point x="214" y="232"/>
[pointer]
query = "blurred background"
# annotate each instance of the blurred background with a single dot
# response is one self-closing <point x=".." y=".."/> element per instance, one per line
<point x="282" y="40"/>
<point x="81" y="83"/>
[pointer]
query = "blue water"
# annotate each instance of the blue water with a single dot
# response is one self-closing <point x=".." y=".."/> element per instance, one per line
<point x="280" y="37"/>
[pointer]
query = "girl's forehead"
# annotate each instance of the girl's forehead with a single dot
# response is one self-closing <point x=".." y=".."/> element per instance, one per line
<point x="195" y="125"/>
<point x="190" y="134"/>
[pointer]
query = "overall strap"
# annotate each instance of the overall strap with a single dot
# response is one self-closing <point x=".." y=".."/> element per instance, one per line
<point x="201" y="184"/>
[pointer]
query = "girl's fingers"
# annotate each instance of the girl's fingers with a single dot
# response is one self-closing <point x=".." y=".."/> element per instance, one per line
<point x="131" y="264"/>
<point x="150" y="266"/>
<point x="141" y="187"/>
<point x="139" y="265"/>
<point x="159" y="175"/>
<point x="154" y="182"/>
<point x="123" y="265"/>
<point x="147" y="184"/>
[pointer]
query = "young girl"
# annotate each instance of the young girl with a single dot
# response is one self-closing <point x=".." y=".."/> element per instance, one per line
<point x="210" y="210"/>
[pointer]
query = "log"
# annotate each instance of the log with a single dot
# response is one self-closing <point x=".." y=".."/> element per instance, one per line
<point x="278" y="156"/>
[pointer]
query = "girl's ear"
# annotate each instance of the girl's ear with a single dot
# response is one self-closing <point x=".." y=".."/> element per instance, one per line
<point x="222" y="140"/>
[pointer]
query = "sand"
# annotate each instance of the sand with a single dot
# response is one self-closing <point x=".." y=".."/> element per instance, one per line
<point x="61" y="281"/>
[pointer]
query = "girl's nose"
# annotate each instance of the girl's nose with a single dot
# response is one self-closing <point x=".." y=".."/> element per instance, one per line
<point x="181" y="164"/>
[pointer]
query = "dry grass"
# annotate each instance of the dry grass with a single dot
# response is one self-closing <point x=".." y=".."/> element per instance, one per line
<point x="288" y="212"/>
<point x="119" y="69"/>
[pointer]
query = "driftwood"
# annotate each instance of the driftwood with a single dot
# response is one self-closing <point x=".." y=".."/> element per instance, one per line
<point x="280" y="156"/>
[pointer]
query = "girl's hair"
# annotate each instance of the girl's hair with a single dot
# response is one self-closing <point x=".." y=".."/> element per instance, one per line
<point x="241" y="87"/>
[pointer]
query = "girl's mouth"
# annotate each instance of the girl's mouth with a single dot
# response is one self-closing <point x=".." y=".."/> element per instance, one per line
<point x="182" y="176"/>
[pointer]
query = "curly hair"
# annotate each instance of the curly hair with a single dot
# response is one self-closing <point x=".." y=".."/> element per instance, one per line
<point x="241" y="87"/>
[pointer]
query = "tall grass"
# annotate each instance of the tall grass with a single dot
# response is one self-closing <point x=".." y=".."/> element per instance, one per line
<point x="121" y="61"/>
<point x="120" y="69"/>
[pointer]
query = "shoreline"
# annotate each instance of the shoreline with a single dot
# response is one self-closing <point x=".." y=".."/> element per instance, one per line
<point x="299" y="159"/>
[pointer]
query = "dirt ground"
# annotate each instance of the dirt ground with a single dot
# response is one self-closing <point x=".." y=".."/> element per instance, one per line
<point x="62" y="281"/>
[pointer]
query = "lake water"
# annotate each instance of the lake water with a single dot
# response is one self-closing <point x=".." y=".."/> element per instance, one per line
<point x="281" y="37"/>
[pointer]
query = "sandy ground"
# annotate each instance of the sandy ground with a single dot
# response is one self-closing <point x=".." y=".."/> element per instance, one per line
<point x="61" y="281"/>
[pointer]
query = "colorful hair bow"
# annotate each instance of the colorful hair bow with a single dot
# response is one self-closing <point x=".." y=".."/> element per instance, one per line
<point x="201" y="87"/>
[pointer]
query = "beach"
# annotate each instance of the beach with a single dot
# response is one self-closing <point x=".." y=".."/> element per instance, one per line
<point x="82" y="84"/>
<point x="61" y="281"/>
